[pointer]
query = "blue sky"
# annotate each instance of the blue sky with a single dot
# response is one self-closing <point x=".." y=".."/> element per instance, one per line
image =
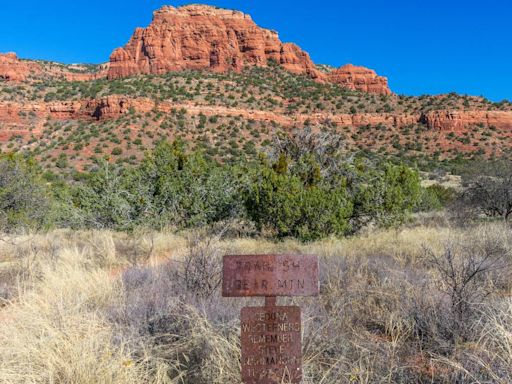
<point x="422" y="46"/>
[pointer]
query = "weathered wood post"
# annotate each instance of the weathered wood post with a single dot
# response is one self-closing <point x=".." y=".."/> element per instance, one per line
<point x="271" y="336"/>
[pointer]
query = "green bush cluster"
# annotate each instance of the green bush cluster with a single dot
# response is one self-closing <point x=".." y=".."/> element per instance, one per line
<point x="169" y="188"/>
<point x="25" y="201"/>
<point x="298" y="195"/>
<point x="436" y="197"/>
<point x="304" y="206"/>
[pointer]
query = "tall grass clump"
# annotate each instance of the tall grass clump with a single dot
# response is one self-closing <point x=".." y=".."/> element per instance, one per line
<point x="56" y="333"/>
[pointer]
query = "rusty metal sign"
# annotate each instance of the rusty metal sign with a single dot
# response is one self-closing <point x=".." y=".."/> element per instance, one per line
<point x="271" y="341"/>
<point x="270" y="275"/>
<point x="271" y="336"/>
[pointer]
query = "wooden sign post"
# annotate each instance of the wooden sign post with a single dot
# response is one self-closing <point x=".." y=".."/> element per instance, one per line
<point x="271" y="336"/>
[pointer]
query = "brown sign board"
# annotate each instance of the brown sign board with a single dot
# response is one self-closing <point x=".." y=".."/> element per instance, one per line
<point x="271" y="345"/>
<point x="270" y="275"/>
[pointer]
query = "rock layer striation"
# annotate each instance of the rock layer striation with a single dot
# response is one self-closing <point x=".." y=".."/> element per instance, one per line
<point x="359" y="78"/>
<point x="204" y="37"/>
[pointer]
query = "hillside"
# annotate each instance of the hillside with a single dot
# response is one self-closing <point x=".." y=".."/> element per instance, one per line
<point x="235" y="113"/>
<point x="69" y="116"/>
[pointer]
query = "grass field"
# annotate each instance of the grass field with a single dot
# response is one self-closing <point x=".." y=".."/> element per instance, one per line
<point x="423" y="304"/>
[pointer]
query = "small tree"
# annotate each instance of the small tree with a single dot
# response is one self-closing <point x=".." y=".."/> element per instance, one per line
<point x="117" y="151"/>
<point x="491" y="193"/>
<point x="62" y="161"/>
<point x="104" y="200"/>
<point x="385" y="194"/>
<point x="24" y="198"/>
<point x="299" y="205"/>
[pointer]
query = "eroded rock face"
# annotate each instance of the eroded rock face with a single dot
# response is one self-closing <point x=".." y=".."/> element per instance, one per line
<point x="14" y="69"/>
<point x="451" y="120"/>
<point x="111" y="107"/>
<point x="204" y="37"/>
<point x="359" y="78"/>
<point x="114" y="106"/>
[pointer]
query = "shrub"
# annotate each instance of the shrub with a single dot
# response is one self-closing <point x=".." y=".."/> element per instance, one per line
<point x="62" y="161"/>
<point x="385" y="194"/>
<point x="491" y="192"/>
<point x="24" y="199"/>
<point x="288" y="205"/>
<point x="117" y="151"/>
<point x="103" y="199"/>
<point x="170" y="188"/>
<point x="435" y="197"/>
<point x="464" y="268"/>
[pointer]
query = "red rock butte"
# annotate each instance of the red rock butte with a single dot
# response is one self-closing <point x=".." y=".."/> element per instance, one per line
<point x="359" y="78"/>
<point x="204" y="37"/>
<point x="13" y="69"/>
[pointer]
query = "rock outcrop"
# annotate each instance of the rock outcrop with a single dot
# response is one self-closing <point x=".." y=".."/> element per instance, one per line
<point x="115" y="106"/>
<point x="86" y="76"/>
<point x="452" y="120"/>
<point x="204" y="37"/>
<point x="14" y="69"/>
<point x="359" y="78"/>
<point x="199" y="37"/>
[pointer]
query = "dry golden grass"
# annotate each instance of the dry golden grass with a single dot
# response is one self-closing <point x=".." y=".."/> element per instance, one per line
<point x="55" y="333"/>
<point x="101" y="307"/>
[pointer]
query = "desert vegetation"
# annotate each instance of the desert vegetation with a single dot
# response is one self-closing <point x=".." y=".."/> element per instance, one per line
<point x="113" y="275"/>
<point x="230" y="131"/>
<point x="271" y="88"/>
<point x="306" y="186"/>
<point x="123" y="185"/>
<point x="422" y="304"/>
<point x="112" y="233"/>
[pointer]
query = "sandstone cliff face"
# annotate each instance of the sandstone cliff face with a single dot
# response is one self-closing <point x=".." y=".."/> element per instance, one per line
<point x="114" y="106"/>
<point x="446" y="120"/>
<point x="359" y="78"/>
<point x="204" y="37"/>
<point x="13" y="69"/>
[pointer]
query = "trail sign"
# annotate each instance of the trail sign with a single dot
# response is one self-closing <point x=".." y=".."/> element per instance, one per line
<point x="271" y="345"/>
<point x="270" y="275"/>
<point x="271" y="336"/>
